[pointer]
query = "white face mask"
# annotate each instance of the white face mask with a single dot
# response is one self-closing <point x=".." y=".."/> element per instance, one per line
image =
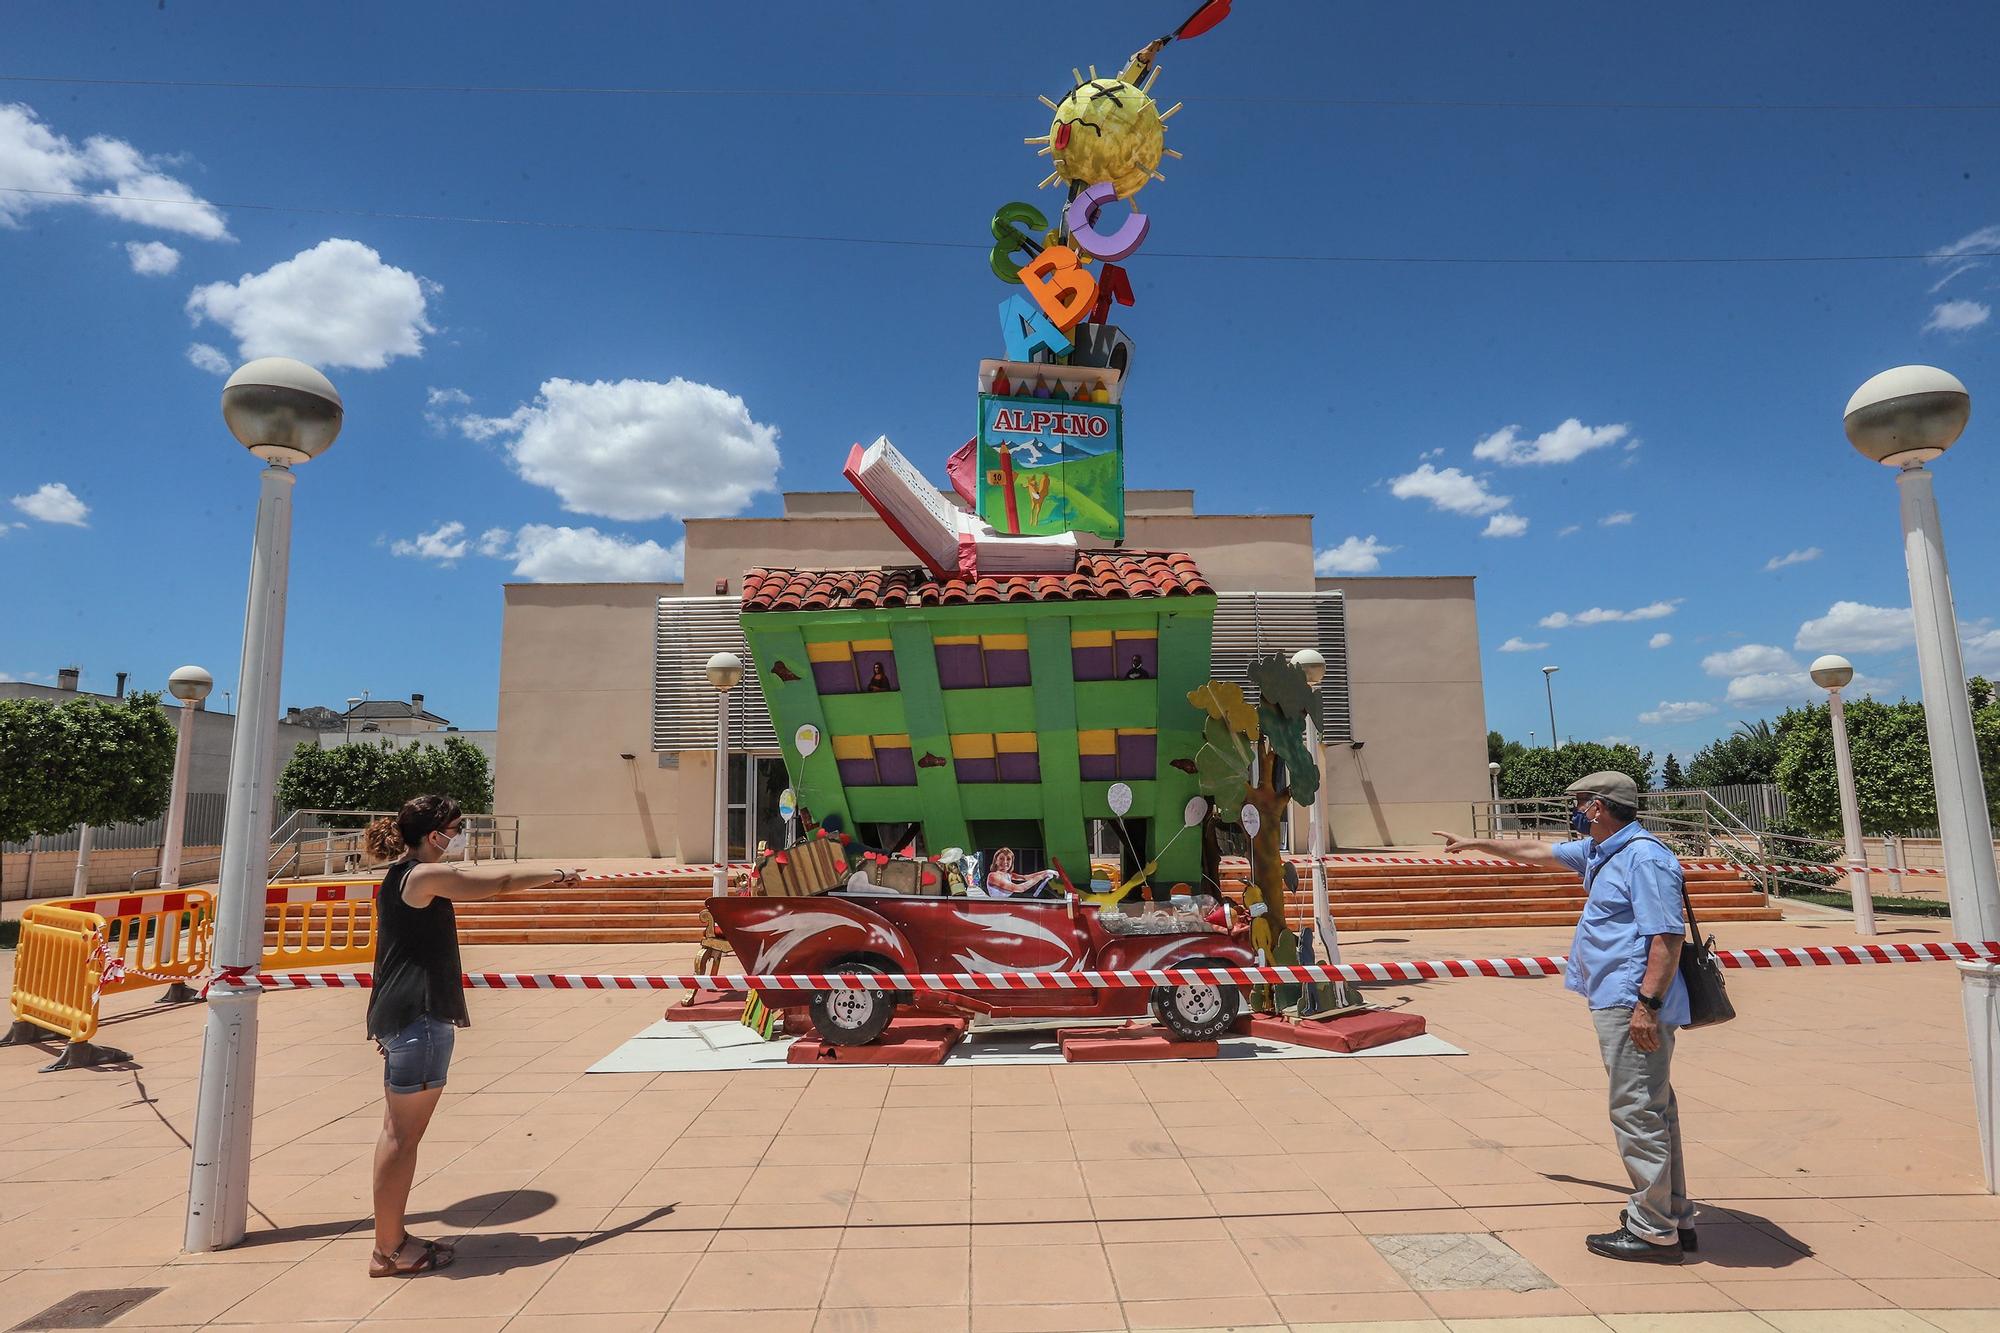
<point x="456" y="845"/>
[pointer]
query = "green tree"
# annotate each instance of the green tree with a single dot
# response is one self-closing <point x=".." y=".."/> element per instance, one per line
<point x="1671" y="776"/>
<point x="82" y="762"/>
<point x="1892" y="764"/>
<point x="1546" y="772"/>
<point x="377" y="776"/>
<point x="1747" y="755"/>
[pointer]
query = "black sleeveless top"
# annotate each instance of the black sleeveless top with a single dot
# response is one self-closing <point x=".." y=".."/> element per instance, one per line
<point x="417" y="972"/>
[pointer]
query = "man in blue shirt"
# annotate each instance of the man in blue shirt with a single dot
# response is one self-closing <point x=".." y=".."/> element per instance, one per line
<point x="1625" y="962"/>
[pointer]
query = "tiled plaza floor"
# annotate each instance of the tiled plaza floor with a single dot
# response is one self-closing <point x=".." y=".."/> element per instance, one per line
<point x="1830" y="1135"/>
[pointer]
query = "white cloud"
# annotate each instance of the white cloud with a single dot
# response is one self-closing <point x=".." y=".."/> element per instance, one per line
<point x="1565" y="444"/>
<point x="1598" y="615"/>
<point x="336" y="304"/>
<point x="1519" y="645"/>
<point x="1355" y="555"/>
<point x="105" y="175"/>
<point x="638" y="449"/>
<point x="1668" y="713"/>
<point x="1617" y="520"/>
<point x="441" y="407"/>
<point x="495" y="541"/>
<point x="1856" y="627"/>
<point x="1793" y="558"/>
<point x="1770" y="687"/>
<point x="152" y="259"/>
<point x="547" y="554"/>
<point x="1660" y="640"/>
<point x="1571" y="530"/>
<point x="1957" y="316"/>
<point x="1505" y="525"/>
<point x="1449" y="490"/>
<point x="1429" y="454"/>
<point x="1985" y="239"/>
<point x="27" y="677"/>
<point x="1748" y="658"/>
<point x="202" y="356"/>
<point x="54" y="503"/>
<point x="445" y="544"/>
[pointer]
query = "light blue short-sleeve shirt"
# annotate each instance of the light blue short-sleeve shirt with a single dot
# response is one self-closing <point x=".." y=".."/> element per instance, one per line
<point x="1635" y="894"/>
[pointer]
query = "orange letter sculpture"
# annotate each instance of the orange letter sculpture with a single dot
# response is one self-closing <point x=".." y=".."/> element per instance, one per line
<point x="1063" y="290"/>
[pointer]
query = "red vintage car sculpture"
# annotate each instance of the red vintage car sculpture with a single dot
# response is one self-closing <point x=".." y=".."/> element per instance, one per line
<point x="842" y="931"/>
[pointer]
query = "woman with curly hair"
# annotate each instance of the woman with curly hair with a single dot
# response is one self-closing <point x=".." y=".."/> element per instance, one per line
<point x="417" y="1003"/>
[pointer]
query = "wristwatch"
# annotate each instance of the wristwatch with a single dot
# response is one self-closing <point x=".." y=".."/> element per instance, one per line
<point x="1652" y="1002"/>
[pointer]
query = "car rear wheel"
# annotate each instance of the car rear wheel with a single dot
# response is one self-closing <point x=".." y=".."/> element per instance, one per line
<point x="1199" y="1011"/>
<point x="852" y="1017"/>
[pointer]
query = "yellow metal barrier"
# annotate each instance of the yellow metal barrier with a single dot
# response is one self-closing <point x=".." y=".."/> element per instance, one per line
<point x="154" y="938"/>
<point x="58" y="969"/>
<point x="328" y="924"/>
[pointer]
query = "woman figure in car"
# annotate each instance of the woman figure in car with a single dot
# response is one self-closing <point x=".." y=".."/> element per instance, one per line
<point x="1002" y="882"/>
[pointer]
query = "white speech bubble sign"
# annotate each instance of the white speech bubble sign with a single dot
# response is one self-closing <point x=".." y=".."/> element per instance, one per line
<point x="806" y="738"/>
<point x="788" y="803"/>
<point x="1252" y="821"/>
<point x="1119" y="798"/>
<point x="1196" y="811"/>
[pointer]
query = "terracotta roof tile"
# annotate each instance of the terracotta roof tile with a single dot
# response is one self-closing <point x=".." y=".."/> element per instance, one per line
<point x="1099" y="576"/>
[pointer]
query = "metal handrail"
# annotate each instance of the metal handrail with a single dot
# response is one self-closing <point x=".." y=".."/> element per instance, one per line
<point x="1701" y="824"/>
<point x="340" y="849"/>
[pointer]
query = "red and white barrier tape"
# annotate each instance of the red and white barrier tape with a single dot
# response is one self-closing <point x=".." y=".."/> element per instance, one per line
<point x="1347" y="858"/>
<point x="1841" y="955"/>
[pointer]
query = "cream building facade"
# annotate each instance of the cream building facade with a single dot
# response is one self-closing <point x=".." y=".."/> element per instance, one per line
<point x="606" y="732"/>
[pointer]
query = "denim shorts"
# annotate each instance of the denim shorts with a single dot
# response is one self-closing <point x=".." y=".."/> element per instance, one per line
<point x="415" y="1059"/>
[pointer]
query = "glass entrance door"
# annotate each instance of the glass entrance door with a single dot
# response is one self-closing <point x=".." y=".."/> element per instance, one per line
<point x="755" y="783"/>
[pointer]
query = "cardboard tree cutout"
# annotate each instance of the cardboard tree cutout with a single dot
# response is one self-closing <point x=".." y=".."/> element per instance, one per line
<point x="1252" y="762"/>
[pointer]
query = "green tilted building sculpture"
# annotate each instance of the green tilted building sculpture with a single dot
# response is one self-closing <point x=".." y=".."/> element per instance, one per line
<point x="992" y="711"/>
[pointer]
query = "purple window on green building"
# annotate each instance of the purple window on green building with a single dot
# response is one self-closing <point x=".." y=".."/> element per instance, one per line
<point x="960" y="666"/>
<point x="1006" y="658"/>
<point x="1138" y="754"/>
<point x="895" y="765"/>
<point x="875" y="666"/>
<point x="1136" y="656"/>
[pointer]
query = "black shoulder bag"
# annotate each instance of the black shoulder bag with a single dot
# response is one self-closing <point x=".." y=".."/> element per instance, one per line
<point x="1701" y="971"/>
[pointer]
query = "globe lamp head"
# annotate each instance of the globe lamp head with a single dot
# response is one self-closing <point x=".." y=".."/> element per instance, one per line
<point x="281" y="410"/>
<point x="1309" y="661"/>
<point x="1831" y="672"/>
<point x="724" y="670"/>
<point x="1907" y="416"/>
<point x="190" y="684"/>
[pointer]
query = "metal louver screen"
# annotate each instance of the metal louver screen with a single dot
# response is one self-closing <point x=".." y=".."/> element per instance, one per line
<point x="688" y="632"/>
<point x="1249" y="625"/>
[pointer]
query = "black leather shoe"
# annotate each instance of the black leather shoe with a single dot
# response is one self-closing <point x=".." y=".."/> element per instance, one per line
<point x="1689" y="1243"/>
<point x="1622" y="1244"/>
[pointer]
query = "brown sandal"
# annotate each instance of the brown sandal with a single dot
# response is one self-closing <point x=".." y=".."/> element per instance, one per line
<point x="434" y="1256"/>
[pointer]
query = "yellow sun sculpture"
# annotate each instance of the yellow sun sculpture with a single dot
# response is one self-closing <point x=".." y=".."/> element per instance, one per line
<point x="1108" y="130"/>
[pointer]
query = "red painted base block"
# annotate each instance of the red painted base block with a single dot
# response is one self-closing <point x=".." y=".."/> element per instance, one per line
<point x="1350" y="1032"/>
<point x="908" y="1041"/>
<point x="712" y="1007"/>
<point x="1139" y="1041"/>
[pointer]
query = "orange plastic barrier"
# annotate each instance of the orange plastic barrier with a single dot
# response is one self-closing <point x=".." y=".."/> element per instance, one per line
<point x="154" y="938"/>
<point x="323" y="924"/>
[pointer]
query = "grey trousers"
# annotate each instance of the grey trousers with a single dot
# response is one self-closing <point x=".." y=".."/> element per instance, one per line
<point x="1647" y="1125"/>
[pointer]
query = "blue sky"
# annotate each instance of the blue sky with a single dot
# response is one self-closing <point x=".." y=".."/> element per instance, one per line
<point x="567" y="392"/>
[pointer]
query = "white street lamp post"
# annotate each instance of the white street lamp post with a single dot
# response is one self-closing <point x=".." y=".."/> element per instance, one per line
<point x="1903" y="418"/>
<point x="285" y="413"/>
<point x="1493" y="811"/>
<point x="1830" y="673"/>
<point x="1548" y="684"/>
<point x="190" y="685"/>
<point x="724" y="670"/>
<point x="1310" y="662"/>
